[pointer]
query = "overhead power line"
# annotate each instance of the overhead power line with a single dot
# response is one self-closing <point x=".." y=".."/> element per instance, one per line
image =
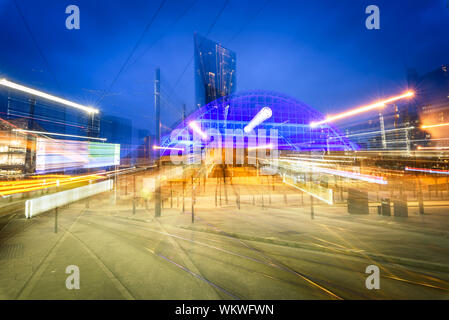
<point x="209" y="30"/>
<point x="247" y="22"/>
<point x="36" y="44"/>
<point x="192" y="4"/>
<point x="147" y="27"/>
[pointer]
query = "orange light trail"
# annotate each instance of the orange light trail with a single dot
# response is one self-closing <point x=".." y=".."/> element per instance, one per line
<point x="13" y="187"/>
<point x="40" y="182"/>
<point x="376" y="105"/>
<point x="435" y="125"/>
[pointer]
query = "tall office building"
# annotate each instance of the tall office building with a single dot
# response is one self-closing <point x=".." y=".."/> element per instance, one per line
<point x="214" y="71"/>
<point x="433" y="94"/>
<point x="432" y="104"/>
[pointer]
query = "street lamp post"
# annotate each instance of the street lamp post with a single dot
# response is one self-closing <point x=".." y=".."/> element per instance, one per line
<point x="312" y="213"/>
<point x="420" y="197"/>
<point x="56" y="220"/>
<point x="157" y="106"/>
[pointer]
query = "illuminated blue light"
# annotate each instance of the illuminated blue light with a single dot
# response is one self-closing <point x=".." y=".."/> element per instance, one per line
<point x="290" y="117"/>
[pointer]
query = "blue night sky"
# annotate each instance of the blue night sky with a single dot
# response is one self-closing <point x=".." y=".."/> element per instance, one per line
<point x="317" y="51"/>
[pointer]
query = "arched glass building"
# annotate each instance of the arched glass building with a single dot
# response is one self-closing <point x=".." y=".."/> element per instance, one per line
<point x="291" y="118"/>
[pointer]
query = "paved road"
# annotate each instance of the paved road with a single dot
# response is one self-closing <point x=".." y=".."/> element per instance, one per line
<point x="274" y="251"/>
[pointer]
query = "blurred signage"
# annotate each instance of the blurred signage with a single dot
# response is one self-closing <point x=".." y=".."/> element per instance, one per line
<point x="56" y="155"/>
<point x="149" y="184"/>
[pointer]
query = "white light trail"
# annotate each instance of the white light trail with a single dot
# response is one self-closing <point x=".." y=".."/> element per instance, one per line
<point x="313" y="194"/>
<point x="373" y="132"/>
<point x="355" y="176"/>
<point x="57" y="134"/>
<point x="47" y="96"/>
<point x="197" y="129"/>
<point x="268" y="146"/>
<point x="427" y="170"/>
<point x="304" y="166"/>
<point x="260" y="117"/>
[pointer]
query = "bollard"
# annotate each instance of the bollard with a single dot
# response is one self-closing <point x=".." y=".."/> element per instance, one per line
<point x="134" y="206"/>
<point x="56" y="220"/>
<point x="312" y="213"/>
<point x="447" y="185"/>
<point x="420" y="202"/>
<point x="436" y="187"/>
<point x="285" y="198"/>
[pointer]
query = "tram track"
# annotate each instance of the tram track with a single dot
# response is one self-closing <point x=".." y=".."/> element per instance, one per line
<point x="267" y="261"/>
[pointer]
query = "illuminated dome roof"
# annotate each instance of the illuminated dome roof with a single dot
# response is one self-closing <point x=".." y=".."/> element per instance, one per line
<point x="290" y="117"/>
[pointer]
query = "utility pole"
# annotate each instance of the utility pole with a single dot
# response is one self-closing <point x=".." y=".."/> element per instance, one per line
<point x="183" y="112"/>
<point x="134" y="193"/>
<point x="115" y="186"/>
<point x="193" y="201"/>
<point x="183" y="196"/>
<point x="420" y="197"/>
<point x="157" y="106"/>
<point x="312" y="213"/>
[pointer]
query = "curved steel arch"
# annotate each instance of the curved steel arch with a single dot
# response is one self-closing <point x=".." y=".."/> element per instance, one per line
<point x="290" y="117"/>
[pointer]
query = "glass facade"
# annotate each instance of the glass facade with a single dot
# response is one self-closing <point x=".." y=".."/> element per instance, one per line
<point x="13" y="149"/>
<point x="214" y="71"/>
<point x="291" y="118"/>
<point x="44" y="115"/>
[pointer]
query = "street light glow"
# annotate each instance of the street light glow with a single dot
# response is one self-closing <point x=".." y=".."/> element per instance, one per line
<point x="197" y="129"/>
<point x="432" y="148"/>
<point x="47" y="96"/>
<point x="260" y="117"/>
<point x="380" y="104"/>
